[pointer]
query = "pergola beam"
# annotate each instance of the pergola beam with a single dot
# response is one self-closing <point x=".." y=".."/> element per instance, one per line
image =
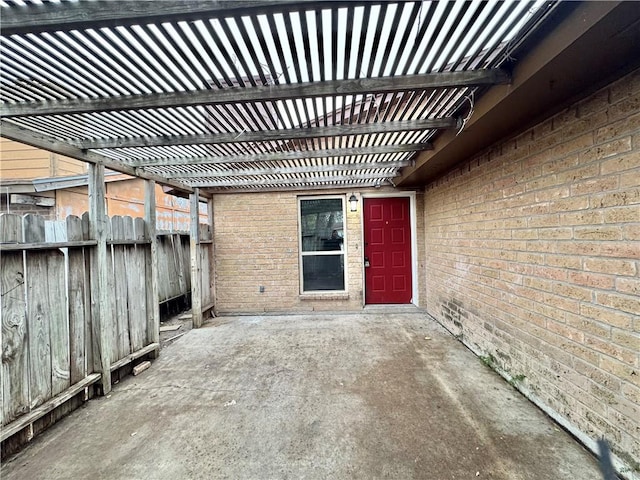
<point x="294" y="181"/>
<point x="359" y="86"/>
<point x="282" y="156"/>
<point x="290" y="170"/>
<point x="82" y="15"/>
<point x="54" y="145"/>
<point x="270" y="135"/>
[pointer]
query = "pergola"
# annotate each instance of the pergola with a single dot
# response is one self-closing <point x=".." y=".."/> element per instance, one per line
<point x="228" y="96"/>
<point x="217" y="97"/>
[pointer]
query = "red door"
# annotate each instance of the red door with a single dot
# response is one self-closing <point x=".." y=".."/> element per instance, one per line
<point x="387" y="250"/>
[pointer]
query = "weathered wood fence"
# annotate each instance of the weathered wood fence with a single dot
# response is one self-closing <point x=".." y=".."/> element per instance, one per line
<point x="173" y="258"/>
<point x="47" y="338"/>
<point x="173" y="266"/>
<point x="50" y="344"/>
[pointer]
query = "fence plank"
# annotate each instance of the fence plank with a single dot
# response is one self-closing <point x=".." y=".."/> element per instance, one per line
<point x="38" y="326"/>
<point x="162" y="268"/>
<point x="15" y="373"/>
<point x="33" y="226"/>
<point x="59" y="322"/>
<point x="139" y="229"/>
<point x="151" y="266"/>
<point x="186" y="254"/>
<point x="13" y="332"/>
<point x="172" y="278"/>
<point x="55" y="231"/>
<point x="167" y="272"/>
<point x="119" y="277"/>
<point x="10" y="228"/>
<point x="174" y="266"/>
<point x="111" y="322"/>
<point x="37" y="313"/>
<point x="88" y="342"/>
<point x="136" y="296"/>
<point x="146" y="295"/>
<point x="94" y="296"/>
<point x="86" y="226"/>
<point x="178" y="252"/>
<point x="165" y="269"/>
<point x="77" y="299"/>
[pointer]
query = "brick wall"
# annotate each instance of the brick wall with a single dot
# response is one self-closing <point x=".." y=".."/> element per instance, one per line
<point x="255" y="238"/>
<point x="533" y="260"/>
<point x="256" y="242"/>
<point x="47" y="213"/>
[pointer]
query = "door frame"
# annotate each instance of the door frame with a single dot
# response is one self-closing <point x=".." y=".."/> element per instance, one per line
<point x="414" y="241"/>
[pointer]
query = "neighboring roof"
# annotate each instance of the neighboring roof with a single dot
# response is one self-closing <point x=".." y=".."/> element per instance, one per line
<point x="254" y="95"/>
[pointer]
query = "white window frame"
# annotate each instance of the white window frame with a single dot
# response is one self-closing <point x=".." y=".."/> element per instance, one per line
<point x="342" y="252"/>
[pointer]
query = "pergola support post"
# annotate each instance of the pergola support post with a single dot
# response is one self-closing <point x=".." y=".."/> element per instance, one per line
<point x="194" y="244"/>
<point x="99" y="276"/>
<point x="151" y="272"/>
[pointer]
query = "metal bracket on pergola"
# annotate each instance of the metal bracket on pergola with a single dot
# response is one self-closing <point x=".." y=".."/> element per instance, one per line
<point x="250" y="95"/>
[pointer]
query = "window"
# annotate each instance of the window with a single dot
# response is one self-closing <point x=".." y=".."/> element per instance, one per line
<point x="322" y="244"/>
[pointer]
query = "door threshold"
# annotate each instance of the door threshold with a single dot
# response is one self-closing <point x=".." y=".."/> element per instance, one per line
<point x="395" y="307"/>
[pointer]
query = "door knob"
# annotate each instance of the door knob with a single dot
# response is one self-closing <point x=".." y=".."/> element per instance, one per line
<point x="366" y="262"/>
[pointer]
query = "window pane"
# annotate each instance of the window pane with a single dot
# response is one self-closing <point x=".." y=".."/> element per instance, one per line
<point x="323" y="272"/>
<point x="322" y="224"/>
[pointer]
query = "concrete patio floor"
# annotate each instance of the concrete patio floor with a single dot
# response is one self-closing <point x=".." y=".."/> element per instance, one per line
<point x="321" y="396"/>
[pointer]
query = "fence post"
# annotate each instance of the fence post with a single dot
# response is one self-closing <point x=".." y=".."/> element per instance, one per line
<point x="153" y="296"/>
<point x="194" y="239"/>
<point x="98" y="228"/>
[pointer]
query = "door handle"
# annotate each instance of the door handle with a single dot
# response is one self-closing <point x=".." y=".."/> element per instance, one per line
<point x="367" y="264"/>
